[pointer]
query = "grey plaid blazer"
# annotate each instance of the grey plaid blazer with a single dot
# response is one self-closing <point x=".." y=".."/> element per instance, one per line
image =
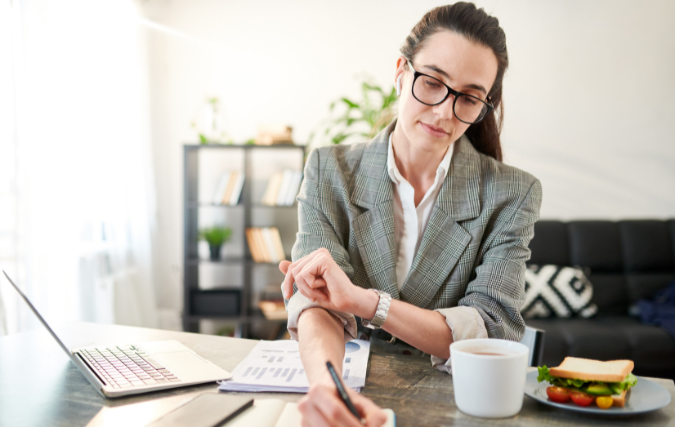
<point x="473" y="250"/>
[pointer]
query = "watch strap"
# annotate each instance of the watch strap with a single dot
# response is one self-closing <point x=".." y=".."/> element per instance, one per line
<point x="380" y="313"/>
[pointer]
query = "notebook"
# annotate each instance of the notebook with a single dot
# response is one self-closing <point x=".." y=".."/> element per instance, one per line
<point x="277" y="413"/>
<point x="116" y="370"/>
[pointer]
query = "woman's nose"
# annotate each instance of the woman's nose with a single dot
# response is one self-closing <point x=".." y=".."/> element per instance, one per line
<point x="445" y="109"/>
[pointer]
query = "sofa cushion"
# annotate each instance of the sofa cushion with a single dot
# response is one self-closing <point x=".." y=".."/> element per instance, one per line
<point x="646" y="246"/>
<point x="552" y="290"/>
<point x="610" y="293"/>
<point x="550" y="244"/>
<point x="646" y="285"/>
<point x="597" y="245"/>
<point x="671" y="227"/>
<point x="608" y="338"/>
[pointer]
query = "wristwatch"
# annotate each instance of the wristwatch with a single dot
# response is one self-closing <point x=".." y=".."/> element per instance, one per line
<point x="381" y="312"/>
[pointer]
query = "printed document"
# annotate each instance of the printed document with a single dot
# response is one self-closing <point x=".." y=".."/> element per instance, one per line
<point x="275" y="366"/>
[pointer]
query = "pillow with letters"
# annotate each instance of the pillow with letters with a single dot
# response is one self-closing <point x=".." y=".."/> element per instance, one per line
<point x="556" y="291"/>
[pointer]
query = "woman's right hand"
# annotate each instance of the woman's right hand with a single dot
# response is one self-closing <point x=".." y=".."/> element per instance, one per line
<point x="322" y="406"/>
<point x="319" y="278"/>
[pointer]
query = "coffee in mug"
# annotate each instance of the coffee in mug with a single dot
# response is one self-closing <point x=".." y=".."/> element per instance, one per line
<point x="488" y="376"/>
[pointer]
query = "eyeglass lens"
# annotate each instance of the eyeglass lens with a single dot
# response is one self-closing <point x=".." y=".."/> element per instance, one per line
<point x="431" y="91"/>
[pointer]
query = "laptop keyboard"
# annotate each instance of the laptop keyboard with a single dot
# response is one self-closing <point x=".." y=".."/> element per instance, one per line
<point x="127" y="366"/>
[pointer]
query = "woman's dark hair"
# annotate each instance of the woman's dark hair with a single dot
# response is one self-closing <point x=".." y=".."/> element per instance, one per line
<point x="479" y="27"/>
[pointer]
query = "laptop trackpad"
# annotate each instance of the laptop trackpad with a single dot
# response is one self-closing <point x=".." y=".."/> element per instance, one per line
<point x="183" y="363"/>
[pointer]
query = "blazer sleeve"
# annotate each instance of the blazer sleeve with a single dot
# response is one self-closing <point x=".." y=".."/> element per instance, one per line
<point x="315" y="231"/>
<point x="497" y="291"/>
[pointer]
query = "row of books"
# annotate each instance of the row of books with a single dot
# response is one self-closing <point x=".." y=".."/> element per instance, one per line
<point x="265" y="244"/>
<point x="282" y="188"/>
<point x="229" y="188"/>
<point x="273" y="310"/>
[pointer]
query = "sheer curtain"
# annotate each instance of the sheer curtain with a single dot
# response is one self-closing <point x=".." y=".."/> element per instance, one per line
<point x="76" y="192"/>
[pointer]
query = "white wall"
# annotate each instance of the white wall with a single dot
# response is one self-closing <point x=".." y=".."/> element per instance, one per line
<point x="588" y="95"/>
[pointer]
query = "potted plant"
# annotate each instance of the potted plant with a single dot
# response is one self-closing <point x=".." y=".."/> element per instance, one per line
<point x="352" y="120"/>
<point x="216" y="237"/>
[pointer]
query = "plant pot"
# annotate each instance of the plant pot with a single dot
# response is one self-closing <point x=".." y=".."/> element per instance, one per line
<point x="215" y="252"/>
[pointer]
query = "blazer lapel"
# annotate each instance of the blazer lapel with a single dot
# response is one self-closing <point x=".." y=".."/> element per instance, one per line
<point x="444" y="239"/>
<point x="374" y="228"/>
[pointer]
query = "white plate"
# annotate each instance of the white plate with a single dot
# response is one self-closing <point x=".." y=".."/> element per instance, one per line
<point x="646" y="396"/>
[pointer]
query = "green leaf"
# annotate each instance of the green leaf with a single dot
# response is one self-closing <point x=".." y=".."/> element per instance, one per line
<point x="337" y="139"/>
<point x="544" y="374"/>
<point x="215" y="236"/>
<point x="203" y="139"/>
<point x="349" y="103"/>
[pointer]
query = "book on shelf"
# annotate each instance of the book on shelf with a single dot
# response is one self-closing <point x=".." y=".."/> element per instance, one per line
<point x="270" y="196"/>
<point x="265" y="244"/>
<point x="229" y="188"/>
<point x="282" y="188"/>
<point x="220" y="188"/>
<point x="293" y="188"/>
<point x="273" y="310"/>
<point x="236" y="192"/>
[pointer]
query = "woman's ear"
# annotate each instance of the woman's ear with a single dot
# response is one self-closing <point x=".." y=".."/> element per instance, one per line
<point x="400" y="69"/>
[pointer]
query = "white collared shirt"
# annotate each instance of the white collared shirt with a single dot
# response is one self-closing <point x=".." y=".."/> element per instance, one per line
<point x="410" y="221"/>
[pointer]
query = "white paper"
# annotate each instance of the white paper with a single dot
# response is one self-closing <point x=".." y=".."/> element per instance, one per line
<point x="275" y="366"/>
<point x="277" y="413"/>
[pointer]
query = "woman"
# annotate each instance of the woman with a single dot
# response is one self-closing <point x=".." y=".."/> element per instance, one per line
<point x="422" y="231"/>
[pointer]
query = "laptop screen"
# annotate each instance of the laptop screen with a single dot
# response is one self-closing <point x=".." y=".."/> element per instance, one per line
<point x="39" y="317"/>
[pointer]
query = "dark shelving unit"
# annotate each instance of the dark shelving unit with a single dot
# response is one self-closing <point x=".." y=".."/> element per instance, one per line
<point x="224" y="303"/>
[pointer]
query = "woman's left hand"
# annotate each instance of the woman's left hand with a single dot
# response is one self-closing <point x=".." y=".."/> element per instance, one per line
<point x="319" y="278"/>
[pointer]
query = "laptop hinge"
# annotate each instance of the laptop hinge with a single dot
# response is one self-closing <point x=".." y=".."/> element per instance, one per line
<point x="91" y="369"/>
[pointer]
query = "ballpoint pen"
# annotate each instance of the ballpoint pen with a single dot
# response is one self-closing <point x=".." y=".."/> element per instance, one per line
<point x="341" y="390"/>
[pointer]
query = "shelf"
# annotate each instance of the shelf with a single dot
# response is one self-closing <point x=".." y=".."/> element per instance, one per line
<point x="256" y="316"/>
<point x="194" y="205"/>
<point x="197" y="261"/>
<point x="244" y="146"/>
<point x="228" y="304"/>
<point x="240" y="205"/>
<point x="227" y="261"/>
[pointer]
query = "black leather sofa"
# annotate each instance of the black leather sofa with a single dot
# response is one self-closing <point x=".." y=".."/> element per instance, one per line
<point x="627" y="260"/>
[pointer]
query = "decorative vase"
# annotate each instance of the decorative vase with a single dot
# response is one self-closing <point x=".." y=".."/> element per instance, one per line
<point x="215" y="252"/>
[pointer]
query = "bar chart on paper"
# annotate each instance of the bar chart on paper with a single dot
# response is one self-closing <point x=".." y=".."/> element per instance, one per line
<point x="276" y="366"/>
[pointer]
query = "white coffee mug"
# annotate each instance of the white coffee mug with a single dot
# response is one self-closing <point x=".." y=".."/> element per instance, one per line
<point x="489" y="385"/>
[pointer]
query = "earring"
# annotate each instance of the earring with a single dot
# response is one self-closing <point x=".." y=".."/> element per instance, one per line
<point x="398" y="85"/>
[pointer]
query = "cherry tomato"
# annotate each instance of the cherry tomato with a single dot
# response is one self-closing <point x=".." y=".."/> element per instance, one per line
<point x="558" y="394"/>
<point x="581" y="398"/>
<point x="604" y="402"/>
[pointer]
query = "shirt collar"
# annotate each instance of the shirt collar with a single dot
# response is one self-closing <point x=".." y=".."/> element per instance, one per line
<point x="396" y="176"/>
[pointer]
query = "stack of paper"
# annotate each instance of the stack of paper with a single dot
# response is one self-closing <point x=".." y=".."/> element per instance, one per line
<point x="275" y="366"/>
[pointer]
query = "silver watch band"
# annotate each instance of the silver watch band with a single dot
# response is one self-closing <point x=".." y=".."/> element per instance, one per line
<point x="381" y="312"/>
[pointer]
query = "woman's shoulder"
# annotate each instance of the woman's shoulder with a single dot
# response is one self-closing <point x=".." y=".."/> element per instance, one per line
<point x="349" y="158"/>
<point x="496" y="181"/>
<point x="492" y="170"/>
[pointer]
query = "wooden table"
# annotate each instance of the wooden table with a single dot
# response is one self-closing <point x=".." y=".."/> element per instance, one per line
<point x="39" y="386"/>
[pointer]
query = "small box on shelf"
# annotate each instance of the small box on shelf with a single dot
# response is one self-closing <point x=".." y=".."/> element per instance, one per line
<point x="216" y="303"/>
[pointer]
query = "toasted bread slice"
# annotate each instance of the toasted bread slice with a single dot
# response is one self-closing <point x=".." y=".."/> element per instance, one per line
<point x="613" y="371"/>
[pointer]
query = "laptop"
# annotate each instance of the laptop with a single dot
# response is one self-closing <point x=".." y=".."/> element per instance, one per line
<point x="122" y="369"/>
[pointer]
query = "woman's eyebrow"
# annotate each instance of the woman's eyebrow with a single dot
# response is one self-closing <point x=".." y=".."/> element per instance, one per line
<point x="444" y="74"/>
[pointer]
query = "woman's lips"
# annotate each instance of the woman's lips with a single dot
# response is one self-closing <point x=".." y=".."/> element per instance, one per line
<point x="433" y="131"/>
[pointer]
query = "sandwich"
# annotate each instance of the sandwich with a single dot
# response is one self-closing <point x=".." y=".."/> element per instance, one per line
<point x="592" y="378"/>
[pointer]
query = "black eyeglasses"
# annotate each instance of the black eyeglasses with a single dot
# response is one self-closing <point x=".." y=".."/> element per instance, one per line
<point x="431" y="91"/>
